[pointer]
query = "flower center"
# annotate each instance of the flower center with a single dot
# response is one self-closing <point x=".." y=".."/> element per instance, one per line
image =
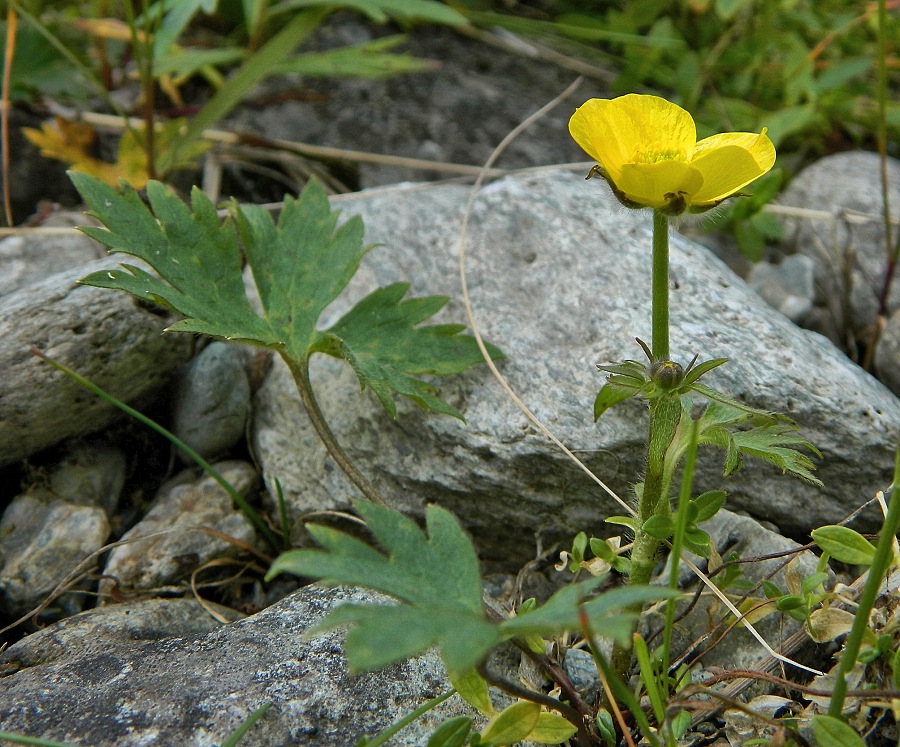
<point x="656" y="153"/>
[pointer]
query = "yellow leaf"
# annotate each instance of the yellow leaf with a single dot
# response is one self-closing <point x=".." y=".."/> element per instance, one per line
<point x="828" y="623"/>
<point x="106" y="28"/>
<point x="71" y="143"/>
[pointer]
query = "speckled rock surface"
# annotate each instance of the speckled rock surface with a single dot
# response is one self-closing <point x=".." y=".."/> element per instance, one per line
<point x="559" y="277"/>
<point x="212" y="401"/>
<point x="42" y="539"/>
<point x="30" y="257"/>
<point x="119" y="684"/>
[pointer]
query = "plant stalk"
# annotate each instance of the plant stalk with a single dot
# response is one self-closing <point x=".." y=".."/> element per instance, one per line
<point x="665" y="414"/>
<point x="880" y="564"/>
<point x="660" y="286"/>
<point x="300" y="372"/>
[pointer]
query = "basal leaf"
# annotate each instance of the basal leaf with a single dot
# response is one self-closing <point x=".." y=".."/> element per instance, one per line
<point x="453" y="732"/>
<point x="844" y="544"/>
<point x="380" y="340"/>
<point x="382" y="634"/>
<point x="551" y="728"/>
<point x="436" y="576"/>
<point x="473" y="689"/>
<point x="708" y="504"/>
<point x="832" y="732"/>
<point x="197" y="257"/>
<point x="608" y="612"/>
<point x="513" y="724"/>
<point x="414" y="568"/>
<point x="302" y="264"/>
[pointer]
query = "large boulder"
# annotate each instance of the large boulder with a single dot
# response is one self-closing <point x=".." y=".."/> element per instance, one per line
<point x="163" y="672"/>
<point x="560" y="279"/>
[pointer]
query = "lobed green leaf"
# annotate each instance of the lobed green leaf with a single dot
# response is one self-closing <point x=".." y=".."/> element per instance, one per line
<point x="300" y="265"/>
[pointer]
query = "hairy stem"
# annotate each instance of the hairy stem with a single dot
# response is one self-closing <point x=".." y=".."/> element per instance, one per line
<point x="665" y="412"/>
<point x="300" y="372"/>
<point x="660" y="284"/>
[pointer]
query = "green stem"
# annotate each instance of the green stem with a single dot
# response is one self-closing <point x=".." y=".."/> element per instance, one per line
<point x="300" y="372"/>
<point x="660" y="309"/>
<point x="880" y="564"/>
<point x="665" y="413"/>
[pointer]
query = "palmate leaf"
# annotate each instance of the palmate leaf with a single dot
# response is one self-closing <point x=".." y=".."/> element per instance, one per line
<point x="435" y="579"/>
<point x="378" y="337"/>
<point x="770" y="440"/>
<point x="299" y="265"/>
<point x="197" y="257"/>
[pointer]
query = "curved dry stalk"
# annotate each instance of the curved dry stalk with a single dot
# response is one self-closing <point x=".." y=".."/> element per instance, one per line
<point x="467" y="303"/>
<point x="704" y="579"/>
<point x="117" y="124"/>
<point x="80" y="570"/>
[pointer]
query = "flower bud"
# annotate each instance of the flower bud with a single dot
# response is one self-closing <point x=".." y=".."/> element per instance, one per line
<point x="666" y="374"/>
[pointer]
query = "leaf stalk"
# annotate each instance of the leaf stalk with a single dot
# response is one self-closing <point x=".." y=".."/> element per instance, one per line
<point x="300" y="372"/>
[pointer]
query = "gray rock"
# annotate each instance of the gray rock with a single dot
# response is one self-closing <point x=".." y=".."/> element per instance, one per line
<point x="47" y="532"/>
<point x="212" y="401"/>
<point x="559" y="277"/>
<point x="90" y="474"/>
<point x="105" y="336"/>
<point x="787" y="286"/>
<point x="32" y="256"/>
<point x="847" y="243"/>
<point x="180" y="512"/>
<point x="483" y="93"/>
<point x="92" y="632"/>
<point x="42" y="540"/>
<point x="581" y="668"/>
<point x="129" y="687"/>
<point x="887" y="354"/>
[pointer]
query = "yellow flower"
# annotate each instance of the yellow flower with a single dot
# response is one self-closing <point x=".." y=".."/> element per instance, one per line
<point x="647" y="150"/>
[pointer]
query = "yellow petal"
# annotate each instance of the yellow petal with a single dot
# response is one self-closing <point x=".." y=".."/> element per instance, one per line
<point x="657" y="185"/>
<point x="595" y="130"/>
<point x="632" y="128"/>
<point x="729" y="162"/>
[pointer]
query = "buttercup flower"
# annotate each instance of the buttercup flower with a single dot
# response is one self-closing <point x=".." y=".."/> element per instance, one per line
<point x="646" y="148"/>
